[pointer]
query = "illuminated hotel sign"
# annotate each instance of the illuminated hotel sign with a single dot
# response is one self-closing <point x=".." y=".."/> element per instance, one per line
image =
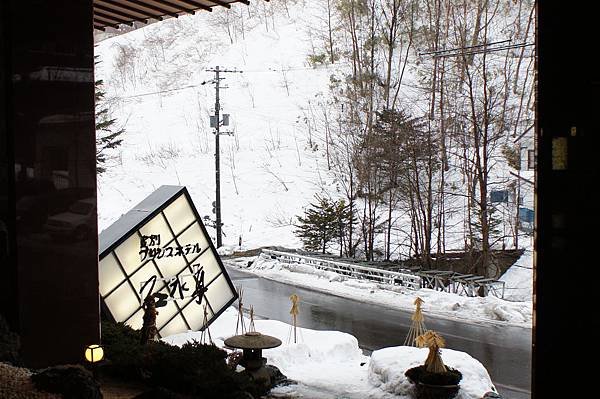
<point x="161" y="248"/>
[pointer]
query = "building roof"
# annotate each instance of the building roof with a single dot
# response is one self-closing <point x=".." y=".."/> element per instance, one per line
<point x="112" y="13"/>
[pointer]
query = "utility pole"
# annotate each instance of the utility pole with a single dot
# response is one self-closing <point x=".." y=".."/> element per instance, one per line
<point x="216" y="122"/>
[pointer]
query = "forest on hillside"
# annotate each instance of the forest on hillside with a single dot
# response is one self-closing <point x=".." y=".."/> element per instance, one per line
<point x="419" y="126"/>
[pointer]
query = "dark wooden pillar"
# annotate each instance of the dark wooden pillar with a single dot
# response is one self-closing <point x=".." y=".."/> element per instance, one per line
<point x="568" y="132"/>
<point x="49" y="288"/>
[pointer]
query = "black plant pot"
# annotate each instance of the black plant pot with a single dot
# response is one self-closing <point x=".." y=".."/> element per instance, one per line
<point x="434" y="385"/>
<point x="429" y="391"/>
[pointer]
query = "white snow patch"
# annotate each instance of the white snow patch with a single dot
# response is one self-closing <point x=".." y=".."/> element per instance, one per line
<point x="328" y="364"/>
<point x="519" y="279"/>
<point x="388" y="365"/>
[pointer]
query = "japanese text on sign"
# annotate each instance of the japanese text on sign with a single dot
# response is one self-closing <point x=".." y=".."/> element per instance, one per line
<point x="177" y="287"/>
<point x="150" y="248"/>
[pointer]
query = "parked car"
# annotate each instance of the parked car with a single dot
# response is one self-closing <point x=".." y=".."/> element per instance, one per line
<point x="75" y="222"/>
<point x="33" y="209"/>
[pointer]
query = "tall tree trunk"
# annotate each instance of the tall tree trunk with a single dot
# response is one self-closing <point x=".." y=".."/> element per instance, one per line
<point x="330" y="31"/>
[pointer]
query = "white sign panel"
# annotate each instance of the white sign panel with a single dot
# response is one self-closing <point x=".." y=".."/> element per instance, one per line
<point x="161" y="248"/>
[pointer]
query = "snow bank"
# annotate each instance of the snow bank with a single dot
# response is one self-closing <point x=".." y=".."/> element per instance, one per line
<point x="312" y="345"/>
<point x="328" y="364"/>
<point x="226" y="250"/>
<point x="388" y="365"/>
<point x="264" y="262"/>
<point x="519" y="279"/>
<point x="305" y="361"/>
<point x="441" y="304"/>
<point x="479" y="308"/>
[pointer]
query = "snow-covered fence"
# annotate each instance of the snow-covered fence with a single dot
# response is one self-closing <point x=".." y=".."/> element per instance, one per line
<point x="462" y="284"/>
<point x="447" y="281"/>
<point x="407" y="280"/>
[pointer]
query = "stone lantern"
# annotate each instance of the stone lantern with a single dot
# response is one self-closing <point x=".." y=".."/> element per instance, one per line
<point x="252" y="344"/>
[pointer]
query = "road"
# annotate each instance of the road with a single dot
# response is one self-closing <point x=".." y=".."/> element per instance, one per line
<point x="504" y="351"/>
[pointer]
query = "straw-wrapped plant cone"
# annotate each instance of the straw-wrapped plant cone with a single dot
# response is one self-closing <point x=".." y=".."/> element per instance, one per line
<point x="434" y="342"/>
<point x="434" y="380"/>
<point x="417" y="327"/>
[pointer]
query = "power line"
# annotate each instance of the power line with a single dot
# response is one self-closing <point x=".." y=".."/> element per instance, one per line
<point x="269" y="70"/>
<point x="158" y="92"/>
<point x="485" y="50"/>
<point x="297" y="68"/>
<point x="464" y="48"/>
<point x="476" y="49"/>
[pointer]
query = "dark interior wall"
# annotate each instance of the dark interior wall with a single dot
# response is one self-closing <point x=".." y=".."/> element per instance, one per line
<point x="8" y="279"/>
<point x="49" y="139"/>
<point x="566" y="321"/>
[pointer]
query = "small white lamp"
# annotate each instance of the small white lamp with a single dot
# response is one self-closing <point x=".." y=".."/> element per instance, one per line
<point x="94" y="353"/>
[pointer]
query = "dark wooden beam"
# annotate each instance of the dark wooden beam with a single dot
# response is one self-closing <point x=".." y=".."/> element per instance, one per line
<point x="105" y="21"/>
<point x="176" y="6"/>
<point x="101" y="8"/>
<point x="107" y="17"/>
<point x="221" y="3"/>
<point x="152" y="7"/>
<point x="113" y="3"/>
<point x="195" y="4"/>
<point x="97" y="21"/>
<point x="114" y="12"/>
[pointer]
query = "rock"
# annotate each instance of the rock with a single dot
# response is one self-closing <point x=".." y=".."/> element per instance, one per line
<point x="72" y="381"/>
<point x="277" y="377"/>
<point x="267" y="377"/>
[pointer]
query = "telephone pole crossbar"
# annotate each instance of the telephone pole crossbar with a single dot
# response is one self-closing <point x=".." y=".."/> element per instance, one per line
<point x="217" y="124"/>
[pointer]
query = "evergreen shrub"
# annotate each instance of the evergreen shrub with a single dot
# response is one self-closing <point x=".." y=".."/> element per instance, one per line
<point x="194" y="369"/>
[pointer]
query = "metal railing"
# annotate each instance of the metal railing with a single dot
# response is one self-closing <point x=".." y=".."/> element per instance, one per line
<point x="407" y="280"/>
<point x="446" y="281"/>
<point x="461" y="284"/>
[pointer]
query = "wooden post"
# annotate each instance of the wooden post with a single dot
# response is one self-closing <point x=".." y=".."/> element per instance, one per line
<point x="206" y="331"/>
<point x="418" y="326"/>
<point x="240" y="319"/>
<point x="252" y="328"/>
<point x="294" y="312"/>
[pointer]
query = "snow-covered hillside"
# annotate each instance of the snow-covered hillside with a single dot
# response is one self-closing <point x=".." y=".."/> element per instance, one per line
<point x="159" y="88"/>
<point x="268" y="172"/>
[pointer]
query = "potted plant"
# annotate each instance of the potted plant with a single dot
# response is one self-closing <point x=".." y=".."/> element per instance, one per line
<point x="434" y="380"/>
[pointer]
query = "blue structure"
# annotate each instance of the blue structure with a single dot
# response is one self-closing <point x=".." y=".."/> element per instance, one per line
<point x="499" y="196"/>
<point x="526" y="215"/>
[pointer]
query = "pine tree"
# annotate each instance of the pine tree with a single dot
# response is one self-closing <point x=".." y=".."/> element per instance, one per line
<point x="107" y="133"/>
<point x="323" y="222"/>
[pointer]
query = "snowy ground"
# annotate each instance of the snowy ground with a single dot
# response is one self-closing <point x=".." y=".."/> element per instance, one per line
<point x="349" y="374"/>
<point x="480" y="310"/>
<point x="519" y="278"/>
